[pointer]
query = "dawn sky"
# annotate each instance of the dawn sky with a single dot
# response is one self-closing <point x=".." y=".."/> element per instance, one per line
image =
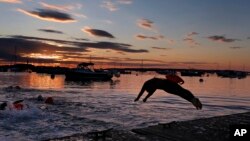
<point x="211" y="34"/>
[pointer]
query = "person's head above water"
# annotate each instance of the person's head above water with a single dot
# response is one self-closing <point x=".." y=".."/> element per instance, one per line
<point x="3" y="106"/>
<point x="40" y="98"/>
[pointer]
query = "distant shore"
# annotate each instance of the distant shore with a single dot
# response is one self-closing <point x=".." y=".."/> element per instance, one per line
<point x="205" y="129"/>
<point x="62" y="70"/>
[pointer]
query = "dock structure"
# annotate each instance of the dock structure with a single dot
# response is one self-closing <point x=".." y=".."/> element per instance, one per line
<point x="207" y="129"/>
<point x="204" y="129"/>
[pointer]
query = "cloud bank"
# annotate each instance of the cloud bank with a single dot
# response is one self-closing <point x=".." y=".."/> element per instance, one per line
<point x="97" y="32"/>
<point x="223" y="39"/>
<point x="49" y="15"/>
<point x="159" y="48"/>
<point x="145" y="23"/>
<point x="143" y="37"/>
<point x="51" y="31"/>
<point x="53" y="50"/>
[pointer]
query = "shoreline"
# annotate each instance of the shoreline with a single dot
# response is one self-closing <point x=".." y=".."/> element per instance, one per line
<point x="205" y="129"/>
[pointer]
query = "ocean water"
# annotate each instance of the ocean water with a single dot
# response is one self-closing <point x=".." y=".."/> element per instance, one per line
<point x="87" y="106"/>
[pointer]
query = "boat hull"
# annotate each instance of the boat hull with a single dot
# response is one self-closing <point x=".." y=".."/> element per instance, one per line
<point x="79" y="76"/>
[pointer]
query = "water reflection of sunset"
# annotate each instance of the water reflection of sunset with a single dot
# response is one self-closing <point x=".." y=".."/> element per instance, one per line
<point x="42" y="81"/>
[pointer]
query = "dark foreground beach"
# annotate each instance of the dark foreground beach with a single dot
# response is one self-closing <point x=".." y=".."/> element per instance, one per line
<point x="207" y="129"/>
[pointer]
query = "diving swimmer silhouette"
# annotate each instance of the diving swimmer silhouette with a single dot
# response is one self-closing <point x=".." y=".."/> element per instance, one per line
<point x="168" y="86"/>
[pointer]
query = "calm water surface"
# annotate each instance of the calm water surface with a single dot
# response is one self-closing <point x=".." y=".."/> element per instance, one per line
<point x="83" y="107"/>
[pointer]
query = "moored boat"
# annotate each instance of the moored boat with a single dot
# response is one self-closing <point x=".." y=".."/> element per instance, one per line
<point x="85" y="71"/>
<point x="192" y="73"/>
<point x="232" y="74"/>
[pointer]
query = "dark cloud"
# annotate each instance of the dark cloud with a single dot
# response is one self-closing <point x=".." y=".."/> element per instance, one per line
<point x="189" y="39"/>
<point x="145" y="23"/>
<point x="80" y="39"/>
<point x="142" y="37"/>
<point x="99" y="45"/>
<point x="160" y="48"/>
<point x="71" y="52"/>
<point x="112" y="46"/>
<point x="236" y="47"/>
<point x="51" y="31"/>
<point x="35" y="48"/>
<point x="248" y="37"/>
<point x="97" y="32"/>
<point x="44" y="50"/>
<point x="49" y="15"/>
<point x="222" y="39"/>
<point x="41" y="39"/>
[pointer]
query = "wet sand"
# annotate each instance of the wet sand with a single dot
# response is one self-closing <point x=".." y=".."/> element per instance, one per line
<point x="207" y="129"/>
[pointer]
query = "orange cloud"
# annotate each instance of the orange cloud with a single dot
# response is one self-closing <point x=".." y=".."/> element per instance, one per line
<point x="49" y="15"/>
<point x="11" y="1"/>
<point x="145" y="23"/>
<point x="142" y="37"/>
<point x="97" y="32"/>
<point x="160" y="48"/>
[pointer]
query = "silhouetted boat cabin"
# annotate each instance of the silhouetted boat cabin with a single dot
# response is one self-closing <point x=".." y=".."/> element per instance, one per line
<point x="85" y="71"/>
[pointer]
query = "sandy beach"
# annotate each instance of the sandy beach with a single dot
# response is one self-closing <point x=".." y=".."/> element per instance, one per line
<point x="207" y="129"/>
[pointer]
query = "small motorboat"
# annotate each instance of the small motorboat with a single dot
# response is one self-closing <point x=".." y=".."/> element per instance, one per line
<point x="85" y="71"/>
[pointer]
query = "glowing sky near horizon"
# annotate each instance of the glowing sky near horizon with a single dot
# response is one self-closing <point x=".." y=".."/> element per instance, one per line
<point x="121" y="33"/>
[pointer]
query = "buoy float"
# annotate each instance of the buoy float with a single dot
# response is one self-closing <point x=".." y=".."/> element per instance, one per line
<point x="201" y="80"/>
